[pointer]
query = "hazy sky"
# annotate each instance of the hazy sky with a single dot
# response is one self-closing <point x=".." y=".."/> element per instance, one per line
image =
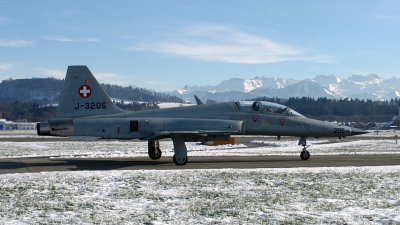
<point x="164" y="45"/>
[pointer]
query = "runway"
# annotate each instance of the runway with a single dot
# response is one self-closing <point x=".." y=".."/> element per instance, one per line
<point x="47" y="164"/>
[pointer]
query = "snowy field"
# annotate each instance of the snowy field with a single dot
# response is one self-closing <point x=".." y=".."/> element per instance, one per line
<point x="341" y="195"/>
<point x="368" y="195"/>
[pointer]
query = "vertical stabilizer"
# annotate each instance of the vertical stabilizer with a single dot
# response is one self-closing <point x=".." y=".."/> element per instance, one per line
<point x="198" y="101"/>
<point x="83" y="96"/>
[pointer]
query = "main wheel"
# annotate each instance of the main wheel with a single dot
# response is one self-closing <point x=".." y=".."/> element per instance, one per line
<point x="180" y="161"/>
<point x="155" y="153"/>
<point x="304" y="155"/>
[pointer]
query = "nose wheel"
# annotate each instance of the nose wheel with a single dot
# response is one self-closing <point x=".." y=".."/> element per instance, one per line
<point x="304" y="155"/>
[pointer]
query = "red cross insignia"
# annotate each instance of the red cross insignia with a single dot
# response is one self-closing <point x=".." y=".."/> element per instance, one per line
<point x="85" y="91"/>
<point x="255" y="118"/>
<point x="282" y="121"/>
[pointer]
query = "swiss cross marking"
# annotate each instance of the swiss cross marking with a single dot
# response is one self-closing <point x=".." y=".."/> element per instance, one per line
<point x="255" y="118"/>
<point x="84" y="91"/>
<point x="282" y="121"/>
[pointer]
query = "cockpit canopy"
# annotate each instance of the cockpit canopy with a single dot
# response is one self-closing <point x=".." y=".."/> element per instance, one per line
<point x="266" y="107"/>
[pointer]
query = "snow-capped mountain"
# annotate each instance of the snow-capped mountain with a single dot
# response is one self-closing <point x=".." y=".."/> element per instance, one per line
<point x="369" y="86"/>
<point x="241" y="85"/>
<point x="248" y="85"/>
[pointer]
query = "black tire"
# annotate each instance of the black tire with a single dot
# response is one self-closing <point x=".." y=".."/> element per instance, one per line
<point x="155" y="153"/>
<point x="180" y="162"/>
<point x="304" y="155"/>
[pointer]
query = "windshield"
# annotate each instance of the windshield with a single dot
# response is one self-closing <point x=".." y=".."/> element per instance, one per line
<point x="267" y="107"/>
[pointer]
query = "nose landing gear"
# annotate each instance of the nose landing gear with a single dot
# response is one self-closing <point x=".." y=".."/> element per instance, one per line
<point x="304" y="155"/>
<point x="154" y="149"/>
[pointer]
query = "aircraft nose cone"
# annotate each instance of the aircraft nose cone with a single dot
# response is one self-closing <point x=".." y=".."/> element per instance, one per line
<point x="356" y="131"/>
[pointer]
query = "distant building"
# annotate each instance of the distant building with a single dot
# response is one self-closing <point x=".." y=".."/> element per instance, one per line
<point x="10" y="125"/>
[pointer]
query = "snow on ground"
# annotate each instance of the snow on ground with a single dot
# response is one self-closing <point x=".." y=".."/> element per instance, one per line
<point x="368" y="195"/>
<point x="342" y="195"/>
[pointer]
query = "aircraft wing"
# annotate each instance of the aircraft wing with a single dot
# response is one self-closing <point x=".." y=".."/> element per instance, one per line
<point x="206" y="128"/>
<point x="202" y="133"/>
<point x="83" y="138"/>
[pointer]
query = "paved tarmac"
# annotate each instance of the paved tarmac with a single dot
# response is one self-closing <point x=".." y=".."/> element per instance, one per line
<point x="42" y="164"/>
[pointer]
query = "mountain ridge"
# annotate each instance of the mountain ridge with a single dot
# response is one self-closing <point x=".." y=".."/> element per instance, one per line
<point x="370" y="86"/>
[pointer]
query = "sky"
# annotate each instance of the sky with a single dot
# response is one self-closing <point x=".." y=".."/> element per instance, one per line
<point x="165" y="45"/>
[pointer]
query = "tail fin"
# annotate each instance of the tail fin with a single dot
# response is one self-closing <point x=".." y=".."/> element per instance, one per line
<point x="83" y="96"/>
<point x="198" y="101"/>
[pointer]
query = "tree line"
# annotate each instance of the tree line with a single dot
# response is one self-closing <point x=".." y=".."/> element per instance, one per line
<point x="343" y="110"/>
<point x="31" y="112"/>
<point x="39" y="90"/>
<point x="138" y="94"/>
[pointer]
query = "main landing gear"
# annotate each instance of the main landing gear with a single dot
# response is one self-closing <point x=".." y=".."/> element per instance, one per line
<point x="154" y="149"/>
<point x="180" y="161"/>
<point x="304" y="155"/>
<point x="180" y="158"/>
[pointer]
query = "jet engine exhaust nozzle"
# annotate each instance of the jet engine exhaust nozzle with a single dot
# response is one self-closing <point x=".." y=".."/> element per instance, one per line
<point x="43" y="129"/>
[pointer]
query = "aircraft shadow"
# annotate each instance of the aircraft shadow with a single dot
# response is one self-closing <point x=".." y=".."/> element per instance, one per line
<point x="40" y="164"/>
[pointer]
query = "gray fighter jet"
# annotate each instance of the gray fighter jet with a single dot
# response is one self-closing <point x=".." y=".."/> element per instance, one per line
<point x="86" y="112"/>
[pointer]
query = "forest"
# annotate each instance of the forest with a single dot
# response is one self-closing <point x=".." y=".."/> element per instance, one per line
<point x="136" y="94"/>
<point x="343" y="110"/>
